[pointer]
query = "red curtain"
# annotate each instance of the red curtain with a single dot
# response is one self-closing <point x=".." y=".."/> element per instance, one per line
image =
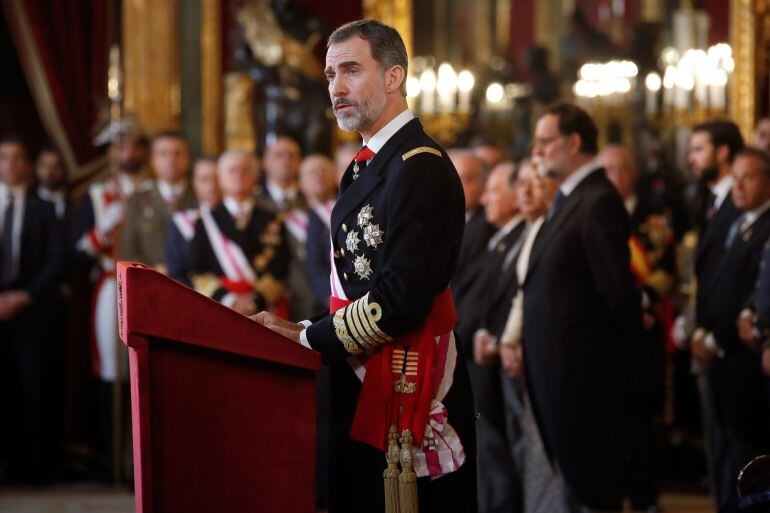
<point x="62" y="46"/>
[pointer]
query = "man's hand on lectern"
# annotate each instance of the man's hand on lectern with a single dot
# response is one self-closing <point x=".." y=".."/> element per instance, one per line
<point x="282" y="327"/>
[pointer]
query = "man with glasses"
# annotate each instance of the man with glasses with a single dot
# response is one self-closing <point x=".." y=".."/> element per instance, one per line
<point x="580" y="301"/>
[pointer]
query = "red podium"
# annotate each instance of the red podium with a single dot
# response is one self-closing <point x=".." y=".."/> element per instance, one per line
<point x="223" y="409"/>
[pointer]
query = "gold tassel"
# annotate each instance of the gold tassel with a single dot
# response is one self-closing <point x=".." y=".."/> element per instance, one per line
<point x="390" y="474"/>
<point x="407" y="481"/>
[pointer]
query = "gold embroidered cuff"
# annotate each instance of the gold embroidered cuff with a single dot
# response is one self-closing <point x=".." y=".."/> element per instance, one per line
<point x="341" y="330"/>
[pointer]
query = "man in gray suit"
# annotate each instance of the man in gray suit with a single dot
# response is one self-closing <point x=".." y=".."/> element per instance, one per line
<point x="148" y="212"/>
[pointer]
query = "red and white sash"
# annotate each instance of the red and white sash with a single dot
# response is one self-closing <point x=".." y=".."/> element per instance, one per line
<point x="184" y="220"/>
<point x="446" y="454"/>
<point x="295" y="221"/>
<point x="240" y="276"/>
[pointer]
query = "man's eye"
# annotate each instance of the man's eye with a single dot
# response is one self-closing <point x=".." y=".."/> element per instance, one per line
<point x="352" y="71"/>
<point x="329" y="77"/>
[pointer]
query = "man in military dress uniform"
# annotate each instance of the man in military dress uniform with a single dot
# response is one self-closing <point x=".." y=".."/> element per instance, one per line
<point x="396" y="233"/>
<point x="238" y="254"/>
<point x="148" y="212"/>
<point x="97" y="234"/>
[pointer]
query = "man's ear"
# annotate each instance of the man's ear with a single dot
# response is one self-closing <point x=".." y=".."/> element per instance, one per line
<point x="394" y="77"/>
<point x="573" y="143"/>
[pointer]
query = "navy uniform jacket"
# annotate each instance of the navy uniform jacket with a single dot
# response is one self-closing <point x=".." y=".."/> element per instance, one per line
<point x="267" y="252"/>
<point x="396" y="234"/>
<point x="579" y="298"/>
<point x="737" y="381"/>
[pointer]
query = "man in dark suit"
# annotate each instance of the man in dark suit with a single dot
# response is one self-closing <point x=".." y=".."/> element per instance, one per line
<point x="148" y="212"/>
<point x="239" y="254"/>
<point x="318" y="183"/>
<point x="31" y="257"/>
<point x="473" y="175"/>
<point x="742" y="413"/>
<point x="499" y="475"/>
<point x="579" y="299"/>
<point x="653" y="264"/>
<point x="396" y="232"/>
<point x="712" y="148"/>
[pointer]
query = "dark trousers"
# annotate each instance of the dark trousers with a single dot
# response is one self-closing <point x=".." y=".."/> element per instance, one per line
<point x="642" y="486"/>
<point x="500" y="486"/>
<point x="28" y="433"/>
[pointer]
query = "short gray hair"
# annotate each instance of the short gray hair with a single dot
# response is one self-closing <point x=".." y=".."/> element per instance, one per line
<point x="385" y="43"/>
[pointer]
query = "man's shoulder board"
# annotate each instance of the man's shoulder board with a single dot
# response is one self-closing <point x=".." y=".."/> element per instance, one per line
<point x="420" y="149"/>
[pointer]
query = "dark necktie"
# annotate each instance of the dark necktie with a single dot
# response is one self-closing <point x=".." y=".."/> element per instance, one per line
<point x="360" y="160"/>
<point x="6" y="269"/>
<point x="711" y="206"/>
<point x="557" y="201"/>
<point x="734" y="230"/>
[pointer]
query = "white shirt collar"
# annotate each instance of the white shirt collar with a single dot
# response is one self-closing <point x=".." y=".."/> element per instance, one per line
<point x="379" y="139"/>
<point x="721" y="189"/>
<point x="18" y="192"/>
<point x="631" y="202"/>
<point x="170" y="192"/>
<point x="505" y="230"/>
<point x="753" y="215"/>
<point x="279" y="194"/>
<point x="572" y="181"/>
<point x="236" y="208"/>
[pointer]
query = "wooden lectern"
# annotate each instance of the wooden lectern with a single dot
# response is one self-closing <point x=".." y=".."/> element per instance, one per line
<point x="223" y="409"/>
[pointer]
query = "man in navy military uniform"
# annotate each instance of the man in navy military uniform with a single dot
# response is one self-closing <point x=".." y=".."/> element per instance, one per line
<point x="396" y="233"/>
<point x="238" y="254"/>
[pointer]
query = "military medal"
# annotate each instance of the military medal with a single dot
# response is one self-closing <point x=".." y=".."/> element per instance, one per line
<point x="363" y="267"/>
<point x="373" y="235"/>
<point x="355" y="171"/>
<point x="352" y="241"/>
<point x="365" y="215"/>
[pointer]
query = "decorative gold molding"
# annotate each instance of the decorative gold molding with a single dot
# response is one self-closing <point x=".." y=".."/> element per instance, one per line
<point x="742" y="40"/>
<point x="396" y="13"/>
<point x="212" y="79"/>
<point x="151" y="62"/>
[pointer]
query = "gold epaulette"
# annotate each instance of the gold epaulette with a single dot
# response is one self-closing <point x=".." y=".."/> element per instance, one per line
<point x="420" y="149"/>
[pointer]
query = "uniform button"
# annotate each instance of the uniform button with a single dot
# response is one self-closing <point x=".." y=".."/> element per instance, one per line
<point x="345" y="276"/>
<point x="344" y="228"/>
<point x="338" y="254"/>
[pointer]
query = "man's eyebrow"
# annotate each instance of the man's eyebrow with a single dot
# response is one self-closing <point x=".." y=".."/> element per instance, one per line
<point x="343" y="65"/>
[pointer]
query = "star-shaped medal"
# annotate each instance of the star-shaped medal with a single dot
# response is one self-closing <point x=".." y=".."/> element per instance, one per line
<point x="352" y="241"/>
<point x="365" y="215"/>
<point x="363" y="267"/>
<point x="373" y="235"/>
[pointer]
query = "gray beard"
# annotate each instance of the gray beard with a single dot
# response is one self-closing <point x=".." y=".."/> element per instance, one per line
<point x="350" y="123"/>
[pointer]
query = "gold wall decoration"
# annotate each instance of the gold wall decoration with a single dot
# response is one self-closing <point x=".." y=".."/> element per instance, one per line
<point x="742" y="40"/>
<point x="212" y="98"/>
<point x="151" y="62"/>
<point x="239" y="129"/>
<point x="396" y="13"/>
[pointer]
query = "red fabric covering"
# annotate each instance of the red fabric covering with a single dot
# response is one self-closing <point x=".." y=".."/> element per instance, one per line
<point x="379" y="406"/>
<point x="223" y="409"/>
<point x="70" y="41"/>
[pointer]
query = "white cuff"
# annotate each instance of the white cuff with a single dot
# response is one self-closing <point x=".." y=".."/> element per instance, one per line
<point x="303" y="338"/>
<point x="229" y="299"/>
<point x="305" y="323"/>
